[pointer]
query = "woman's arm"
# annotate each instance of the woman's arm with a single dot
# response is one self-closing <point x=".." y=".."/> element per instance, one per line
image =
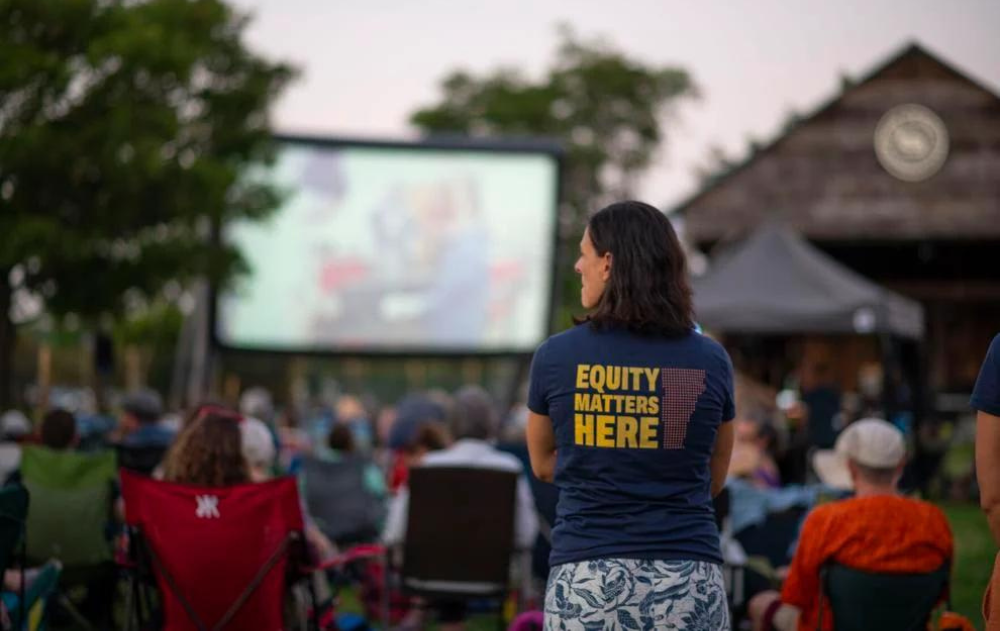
<point x="988" y="468"/>
<point x="721" y="454"/>
<point x="541" y="446"/>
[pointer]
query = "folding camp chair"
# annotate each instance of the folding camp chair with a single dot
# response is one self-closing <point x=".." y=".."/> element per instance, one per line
<point x="459" y="534"/>
<point x="344" y="510"/>
<point x="78" y="489"/>
<point x="13" y="513"/>
<point x="26" y="607"/>
<point x="141" y="459"/>
<point x="32" y="614"/>
<point x="888" y="602"/>
<point x="773" y="539"/>
<point x="220" y="557"/>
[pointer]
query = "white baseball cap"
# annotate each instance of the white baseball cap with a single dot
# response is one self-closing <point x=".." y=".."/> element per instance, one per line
<point x="871" y="442"/>
<point x="14" y="424"/>
<point x="258" y="445"/>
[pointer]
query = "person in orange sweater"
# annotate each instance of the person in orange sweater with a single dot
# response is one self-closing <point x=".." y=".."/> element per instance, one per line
<point x="877" y="530"/>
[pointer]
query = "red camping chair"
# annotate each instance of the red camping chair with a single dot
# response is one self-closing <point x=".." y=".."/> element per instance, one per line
<point x="221" y="557"/>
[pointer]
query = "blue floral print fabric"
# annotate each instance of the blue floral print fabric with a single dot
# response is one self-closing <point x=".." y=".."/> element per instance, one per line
<point x="636" y="595"/>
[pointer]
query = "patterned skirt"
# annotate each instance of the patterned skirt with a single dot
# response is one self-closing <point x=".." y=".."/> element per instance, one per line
<point x="633" y="594"/>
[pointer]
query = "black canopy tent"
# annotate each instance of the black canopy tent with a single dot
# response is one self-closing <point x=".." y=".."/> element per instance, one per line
<point x="777" y="283"/>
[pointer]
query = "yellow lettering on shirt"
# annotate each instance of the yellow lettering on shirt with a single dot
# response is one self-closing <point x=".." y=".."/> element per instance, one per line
<point x="605" y="430"/>
<point x="652" y="375"/>
<point x="647" y="432"/>
<point x="584" y="429"/>
<point x="627" y="429"/>
<point x="617" y="407"/>
<point x="598" y="378"/>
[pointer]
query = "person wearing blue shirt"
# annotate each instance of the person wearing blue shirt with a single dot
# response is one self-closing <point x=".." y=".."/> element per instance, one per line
<point x="986" y="402"/>
<point x="629" y="416"/>
<point x="140" y="421"/>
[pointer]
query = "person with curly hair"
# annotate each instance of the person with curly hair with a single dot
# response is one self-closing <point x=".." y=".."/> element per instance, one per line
<point x="208" y="451"/>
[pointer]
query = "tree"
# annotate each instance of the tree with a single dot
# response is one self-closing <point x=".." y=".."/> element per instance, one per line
<point x="606" y="108"/>
<point x="124" y="130"/>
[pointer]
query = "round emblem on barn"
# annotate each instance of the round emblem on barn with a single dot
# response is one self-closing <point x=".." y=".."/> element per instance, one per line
<point x="911" y="142"/>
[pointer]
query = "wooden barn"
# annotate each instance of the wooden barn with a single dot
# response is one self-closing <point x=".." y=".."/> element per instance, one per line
<point x="898" y="178"/>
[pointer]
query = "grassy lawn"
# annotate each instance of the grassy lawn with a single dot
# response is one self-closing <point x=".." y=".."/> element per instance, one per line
<point x="974" y="553"/>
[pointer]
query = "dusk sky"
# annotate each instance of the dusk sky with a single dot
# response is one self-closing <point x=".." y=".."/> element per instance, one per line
<point x="365" y="66"/>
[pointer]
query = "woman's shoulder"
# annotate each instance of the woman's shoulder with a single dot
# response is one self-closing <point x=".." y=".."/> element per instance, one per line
<point x="568" y="338"/>
<point x="705" y="345"/>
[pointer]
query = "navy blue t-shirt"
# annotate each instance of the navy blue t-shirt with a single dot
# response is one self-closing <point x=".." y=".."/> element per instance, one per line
<point x="986" y="396"/>
<point x="635" y="420"/>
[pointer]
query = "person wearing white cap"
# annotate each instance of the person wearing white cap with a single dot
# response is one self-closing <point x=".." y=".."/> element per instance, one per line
<point x="14" y="427"/>
<point x="873" y="447"/>
<point x="258" y="448"/>
<point x="877" y="530"/>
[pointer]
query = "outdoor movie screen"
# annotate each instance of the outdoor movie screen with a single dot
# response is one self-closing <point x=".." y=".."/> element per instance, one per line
<point x="386" y="248"/>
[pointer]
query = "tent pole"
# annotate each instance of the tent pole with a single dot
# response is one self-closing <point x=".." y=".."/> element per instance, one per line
<point x="889" y="363"/>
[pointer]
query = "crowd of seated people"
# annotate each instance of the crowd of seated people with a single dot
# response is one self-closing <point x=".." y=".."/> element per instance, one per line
<point x="850" y="512"/>
<point x="361" y="457"/>
<point x="215" y="445"/>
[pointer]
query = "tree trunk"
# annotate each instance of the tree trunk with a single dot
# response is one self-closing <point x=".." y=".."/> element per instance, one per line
<point x="44" y="378"/>
<point x="7" y="341"/>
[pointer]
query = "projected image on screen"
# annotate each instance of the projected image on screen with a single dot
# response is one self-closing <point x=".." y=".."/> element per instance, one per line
<point x="396" y="249"/>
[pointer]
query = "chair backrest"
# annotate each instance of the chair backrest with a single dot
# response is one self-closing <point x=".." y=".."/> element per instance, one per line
<point x="68" y="488"/>
<point x="460" y="528"/>
<point x="888" y="602"/>
<point x="343" y="508"/>
<point x="773" y="538"/>
<point x="13" y="513"/>
<point x="220" y="555"/>
<point x="142" y="459"/>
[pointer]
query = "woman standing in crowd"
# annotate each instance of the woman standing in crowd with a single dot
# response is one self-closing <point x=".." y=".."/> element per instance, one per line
<point x="628" y="417"/>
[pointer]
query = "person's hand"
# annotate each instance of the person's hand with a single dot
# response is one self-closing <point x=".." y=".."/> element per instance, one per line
<point x="321" y="545"/>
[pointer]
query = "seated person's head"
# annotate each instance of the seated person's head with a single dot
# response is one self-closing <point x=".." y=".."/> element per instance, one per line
<point x="869" y="456"/>
<point x="751" y="447"/>
<point x="14" y="426"/>
<point x="58" y="430"/>
<point x="341" y="439"/>
<point x="474" y="415"/>
<point x="141" y="407"/>
<point x="746" y="431"/>
<point x="419" y="427"/>
<point x="258" y="448"/>
<point x="257" y="403"/>
<point x="208" y="451"/>
<point x="430" y="436"/>
<point x="350" y="408"/>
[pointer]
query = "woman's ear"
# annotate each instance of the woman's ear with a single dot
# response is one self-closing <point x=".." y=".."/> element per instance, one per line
<point x="606" y="267"/>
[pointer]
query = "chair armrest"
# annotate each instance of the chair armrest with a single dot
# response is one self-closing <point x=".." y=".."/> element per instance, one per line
<point x="354" y="554"/>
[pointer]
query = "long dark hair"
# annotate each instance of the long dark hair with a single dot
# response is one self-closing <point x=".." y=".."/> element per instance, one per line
<point x="648" y="292"/>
